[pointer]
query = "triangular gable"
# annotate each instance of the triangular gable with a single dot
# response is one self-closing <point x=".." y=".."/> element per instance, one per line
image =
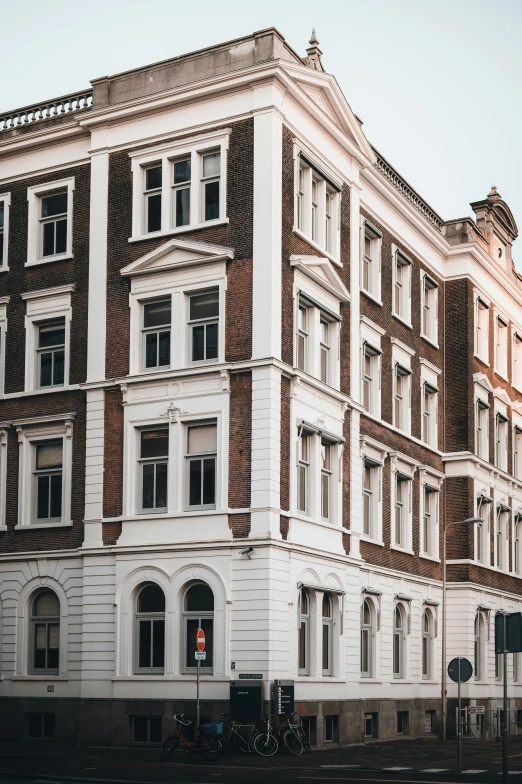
<point x="502" y="395"/>
<point x="321" y="271"/>
<point x="176" y="254"/>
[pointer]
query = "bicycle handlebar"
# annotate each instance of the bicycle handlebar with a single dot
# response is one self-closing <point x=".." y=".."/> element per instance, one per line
<point x="179" y="719"/>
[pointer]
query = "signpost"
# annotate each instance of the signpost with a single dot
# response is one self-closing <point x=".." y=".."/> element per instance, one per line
<point x="460" y="671"/>
<point x="200" y="656"/>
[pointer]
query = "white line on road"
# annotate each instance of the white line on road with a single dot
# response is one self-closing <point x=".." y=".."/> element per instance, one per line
<point x="437" y="770"/>
<point x="396" y="768"/>
<point x="474" y="771"/>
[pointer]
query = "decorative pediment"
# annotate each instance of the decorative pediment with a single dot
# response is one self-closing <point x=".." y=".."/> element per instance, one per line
<point x="483" y="380"/>
<point x="322" y="272"/>
<point x="176" y="254"/>
<point x="501" y="394"/>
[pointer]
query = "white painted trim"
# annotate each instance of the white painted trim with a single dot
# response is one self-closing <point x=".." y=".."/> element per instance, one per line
<point x="5" y="199"/>
<point x="34" y="194"/>
<point x="45" y="305"/>
<point x="97" y="305"/>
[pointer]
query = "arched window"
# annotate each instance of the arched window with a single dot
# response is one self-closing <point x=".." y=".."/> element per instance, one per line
<point x="426" y="644"/>
<point x="366" y="639"/>
<point x="398" y="642"/>
<point x="198" y="613"/>
<point x="479" y="647"/>
<point x="45" y="632"/>
<point x="327" y="634"/>
<point x="304" y="634"/>
<point x="150" y="629"/>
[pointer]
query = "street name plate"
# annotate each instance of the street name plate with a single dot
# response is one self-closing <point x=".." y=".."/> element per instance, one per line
<point x="250" y="677"/>
<point x="200" y="655"/>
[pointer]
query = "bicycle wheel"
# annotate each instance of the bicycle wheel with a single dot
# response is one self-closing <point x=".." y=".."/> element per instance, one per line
<point x="172" y="748"/>
<point x="265" y="744"/>
<point x="246" y="741"/>
<point x="210" y="747"/>
<point x="292" y="742"/>
<point x="304" y="739"/>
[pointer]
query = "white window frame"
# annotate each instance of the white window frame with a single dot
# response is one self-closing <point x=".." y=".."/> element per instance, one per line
<point x="371" y="335"/>
<point x="369" y="628"/>
<point x="373" y="454"/>
<point x="316" y="313"/>
<point x="32" y="432"/>
<point x="501" y="344"/>
<point x="516" y="357"/>
<point x="482" y="553"/>
<point x="480" y="626"/>
<point x="5" y="199"/>
<point x="189" y="456"/>
<point x="313" y="471"/>
<point x="399" y="258"/>
<point x="430" y="484"/>
<point x="191" y="324"/>
<point x="139" y="467"/>
<point x="427" y="638"/>
<point x="501" y="434"/>
<point x="4" y="301"/>
<point x="429" y="387"/>
<point x="401" y="398"/>
<point x="517" y="544"/>
<point x="308" y="167"/>
<point x="402" y="469"/>
<point x="372" y="233"/>
<point x="429" y="285"/>
<point x="304" y="620"/>
<point x="402" y="634"/>
<point x="165" y="155"/>
<point x="42" y="306"/>
<point x="481" y="412"/>
<point x="4" y="431"/>
<point x="503" y="523"/>
<point x="34" y="198"/>
<point x="516" y="436"/>
<point x="481" y="339"/>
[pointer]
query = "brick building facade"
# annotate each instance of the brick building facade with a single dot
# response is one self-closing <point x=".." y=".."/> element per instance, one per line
<point x="226" y="322"/>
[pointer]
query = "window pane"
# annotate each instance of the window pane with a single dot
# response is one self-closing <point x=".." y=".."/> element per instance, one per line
<point x="48" y="239"/>
<point x="59" y="367"/>
<point x="40" y="643"/>
<point x="155" y="729"/>
<point x="140" y="727"/>
<point x="56" y="495"/>
<point x="158" y="643"/>
<point x="209" y="481"/>
<point x="212" y="200"/>
<point x="198" y="343"/>
<point x="144" y="659"/>
<point x="202" y="438"/>
<point x="302" y="489"/>
<point x="212" y="341"/>
<point x="157" y="314"/>
<point x="364" y="651"/>
<point x="182" y="206"/>
<point x="207" y="624"/>
<point x="42" y="503"/>
<point x="53" y="652"/>
<point x="46" y="369"/>
<point x="302" y="646"/>
<point x="325" y="487"/>
<point x="211" y="164"/>
<point x="327" y="606"/>
<point x="164" y="349"/>
<point x="2" y="215"/>
<point x="195" y="467"/>
<point x="155" y="443"/>
<point x="52" y="335"/>
<point x="192" y="627"/>
<point x="46" y="605"/>
<point x="204" y="306"/>
<point x="153" y="178"/>
<point x="151" y="599"/>
<point x="154" y="212"/>
<point x="161" y="486"/>
<point x="61" y="236"/>
<point x="324" y="365"/>
<point x="326" y="646"/>
<point x="1" y="247"/>
<point x="151" y="349"/>
<point x="181" y="171"/>
<point x="147" y="487"/>
<point x="54" y="205"/>
<point x="396" y="654"/>
<point x="199" y="598"/>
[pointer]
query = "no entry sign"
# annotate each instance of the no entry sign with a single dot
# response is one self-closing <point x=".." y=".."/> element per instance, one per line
<point x="200" y="640"/>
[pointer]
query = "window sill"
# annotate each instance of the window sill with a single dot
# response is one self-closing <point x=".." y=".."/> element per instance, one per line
<point x="389" y="426"/>
<point x="372" y="297"/>
<point x="401" y="549"/>
<point x="44" y="391"/>
<point x="371" y="680"/>
<point x="311" y="242"/>
<point x="427" y="557"/>
<point x="481" y="359"/>
<point x="31" y="526"/>
<point x="187" y="677"/>
<point x="430" y="341"/>
<point x="4" y="269"/>
<point x="501" y="375"/>
<point x="370" y="540"/>
<point x="171" y="515"/>
<point x="402" y="320"/>
<point x="49" y="259"/>
<point x="50" y="677"/>
<point x="322" y="523"/>
<point x="179" y="230"/>
<point x="401" y="681"/>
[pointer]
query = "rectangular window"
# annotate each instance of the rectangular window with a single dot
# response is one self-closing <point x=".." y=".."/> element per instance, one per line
<point x="53" y="223"/>
<point x="303" y="473"/>
<point x="402" y="287"/>
<point x="371" y="262"/>
<point x="482" y="426"/>
<point x="482" y="330"/>
<point x="201" y="466"/>
<point x="429" y="522"/>
<point x="429" y="309"/>
<point x="501" y="346"/>
<point x="156" y="334"/>
<point x="517" y="452"/>
<point x="317" y="207"/>
<point x="153" y="197"/>
<point x="40" y="726"/>
<point x="309" y="727"/>
<point x="300" y="197"/>
<point x="331" y="729"/>
<point x="402" y="722"/>
<point x="3" y="232"/>
<point x="48" y="470"/>
<point x="401" y="408"/>
<point x="181" y="191"/>
<point x="210" y="182"/>
<point x="146" y="729"/>
<point x="204" y="326"/>
<point x="371" y="379"/>
<point x="501" y="538"/>
<point x="402" y="510"/>
<point x="326" y="480"/>
<point x="517" y="361"/>
<point x="429" y="721"/>
<point x="371" y="493"/>
<point x="429" y="415"/>
<point x="51" y="354"/>
<point x="154" y="457"/>
<point x="501" y="441"/>
<point x="302" y="338"/>
<point x="325" y="350"/>
<point x="370" y="725"/>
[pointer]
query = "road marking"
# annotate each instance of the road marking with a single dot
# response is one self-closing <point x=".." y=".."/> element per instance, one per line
<point x="337" y="767"/>
<point x="437" y="770"/>
<point x="396" y="768"/>
<point x="474" y="771"/>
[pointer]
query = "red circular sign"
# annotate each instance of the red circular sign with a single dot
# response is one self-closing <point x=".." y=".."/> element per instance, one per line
<point x="200" y="640"/>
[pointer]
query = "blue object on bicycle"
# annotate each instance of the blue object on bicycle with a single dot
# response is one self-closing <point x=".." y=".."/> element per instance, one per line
<point x="213" y="728"/>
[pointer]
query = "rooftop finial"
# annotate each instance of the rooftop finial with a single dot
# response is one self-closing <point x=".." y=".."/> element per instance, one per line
<point x="493" y="194"/>
<point x="314" y="54"/>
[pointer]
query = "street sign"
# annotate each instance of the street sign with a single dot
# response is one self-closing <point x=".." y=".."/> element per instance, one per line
<point x="246" y="699"/>
<point x="200" y="655"/>
<point x="513" y="638"/>
<point x="200" y="640"/>
<point x="472" y="709"/>
<point x="462" y="673"/>
<point x="250" y="677"/>
<point x="283" y="692"/>
<point x="481" y="709"/>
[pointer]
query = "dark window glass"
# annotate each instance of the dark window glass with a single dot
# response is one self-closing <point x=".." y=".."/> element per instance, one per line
<point x="212" y="341"/>
<point x="183" y="207"/>
<point x="61" y="236"/>
<point x="154" y="212"/>
<point x="157" y="314"/>
<point x="161" y="486"/>
<point x="155" y="443"/>
<point x="2" y="215"/>
<point x="204" y="306"/>
<point x="193" y="624"/>
<point x="59" y="367"/>
<point x="141" y="727"/>
<point x="198" y="343"/>
<point x="181" y="171"/>
<point x="148" y="486"/>
<point x="155" y="729"/>
<point x="55" y="502"/>
<point x="151" y="599"/>
<point x="209" y="480"/>
<point x="54" y="205"/>
<point x="153" y="178"/>
<point x="46" y="370"/>
<point x="1" y="248"/>
<point x="53" y="335"/>
<point x="199" y="598"/>
<point x="158" y="643"/>
<point x="195" y="483"/>
<point x="48" y="239"/>
<point x="40" y="725"/>
<point x="163" y="349"/>
<point x="145" y="644"/>
<point x="212" y="200"/>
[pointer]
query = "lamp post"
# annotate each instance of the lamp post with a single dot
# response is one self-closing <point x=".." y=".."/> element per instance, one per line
<point x="469" y="521"/>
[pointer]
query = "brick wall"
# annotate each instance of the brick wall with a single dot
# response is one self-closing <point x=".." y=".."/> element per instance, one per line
<point x="240" y="450"/>
<point x="113" y="454"/>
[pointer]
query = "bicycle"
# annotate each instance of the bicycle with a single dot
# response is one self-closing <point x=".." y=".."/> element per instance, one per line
<point x="266" y="743"/>
<point x="236" y="734"/>
<point x="177" y="743"/>
<point x="289" y="737"/>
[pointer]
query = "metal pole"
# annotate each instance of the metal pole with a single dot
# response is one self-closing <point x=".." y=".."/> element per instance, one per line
<point x="197" y="698"/>
<point x="459" y="729"/>
<point x="443" y="673"/>
<point x="505" y="729"/>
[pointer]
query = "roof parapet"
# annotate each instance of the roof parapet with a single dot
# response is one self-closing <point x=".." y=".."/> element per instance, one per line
<point x="65" y="105"/>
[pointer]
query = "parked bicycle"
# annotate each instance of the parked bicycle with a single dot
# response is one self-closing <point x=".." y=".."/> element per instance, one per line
<point x="206" y="743"/>
<point x="265" y="742"/>
<point x="237" y="735"/>
<point x="290" y="737"/>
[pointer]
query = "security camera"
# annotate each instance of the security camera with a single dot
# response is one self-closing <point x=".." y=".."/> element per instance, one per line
<point x="247" y="551"/>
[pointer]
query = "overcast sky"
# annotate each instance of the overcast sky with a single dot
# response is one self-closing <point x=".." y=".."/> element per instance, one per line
<point x="437" y="83"/>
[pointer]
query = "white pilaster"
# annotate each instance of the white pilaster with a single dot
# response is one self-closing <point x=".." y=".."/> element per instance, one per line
<point x="97" y="312"/>
<point x="355" y="375"/>
<point x="94" y="468"/>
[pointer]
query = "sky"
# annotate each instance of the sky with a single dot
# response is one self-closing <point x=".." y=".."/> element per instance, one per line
<point x="437" y="83"/>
